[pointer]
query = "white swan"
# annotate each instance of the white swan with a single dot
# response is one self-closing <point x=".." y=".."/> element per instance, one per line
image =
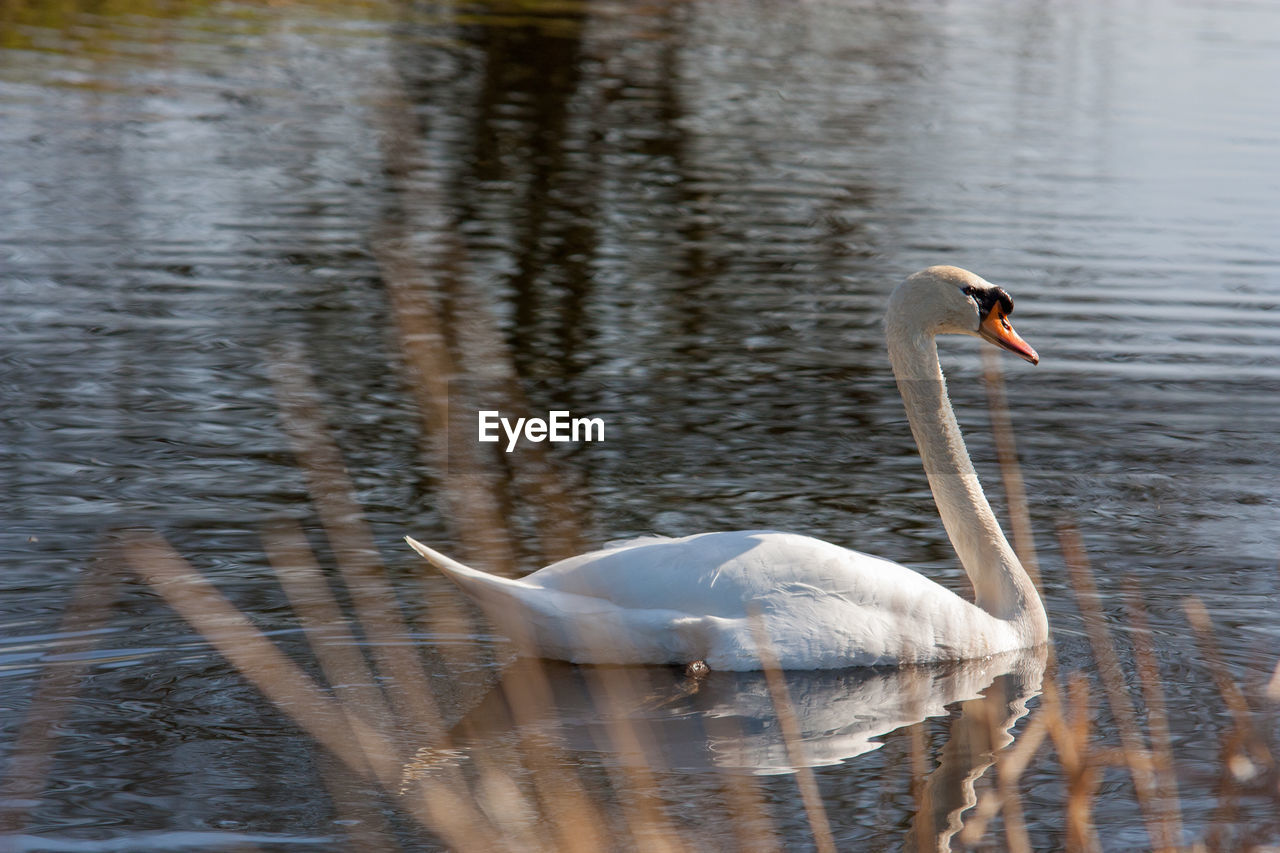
<point x="705" y="597"/>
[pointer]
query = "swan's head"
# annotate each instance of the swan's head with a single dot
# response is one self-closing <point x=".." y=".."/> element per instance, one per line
<point x="948" y="300"/>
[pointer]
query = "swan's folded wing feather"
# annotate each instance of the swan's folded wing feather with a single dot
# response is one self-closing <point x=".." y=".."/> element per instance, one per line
<point x="581" y="628"/>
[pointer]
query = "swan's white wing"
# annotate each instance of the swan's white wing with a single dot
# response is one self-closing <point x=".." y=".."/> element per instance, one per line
<point x="656" y="601"/>
<point x="731" y="574"/>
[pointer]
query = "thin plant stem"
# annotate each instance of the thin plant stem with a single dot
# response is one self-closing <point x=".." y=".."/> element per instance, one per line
<point x="1157" y="719"/>
<point x="787" y="724"/>
<point x="1136" y="754"/>
<point x="31" y="753"/>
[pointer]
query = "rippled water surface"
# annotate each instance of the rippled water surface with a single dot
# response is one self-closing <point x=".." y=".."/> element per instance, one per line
<point x="682" y="218"/>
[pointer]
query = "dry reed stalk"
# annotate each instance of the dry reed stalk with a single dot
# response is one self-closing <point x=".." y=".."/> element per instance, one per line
<point x="465" y="344"/>
<point x="472" y="495"/>
<point x="1066" y="724"/>
<point x="791" y="739"/>
<point x="356" y="743"/>
<point x="1157" y="719"/>
<point x="472" y="492"/>
<point x="514" y="815"/>
<point x="372" y="595"/>
<point x="1009" y="768"/>
<point x="1272" y="690"/>
<point x="1246" y="736"/>
<point x="1153" y="774"/>
<point x="920" y="789"/>
<point x="752" y="826"/>
<point x="358" y="808"/>
<point x="1011" y="763"/>
<point x="327" y="630"/>
<point x="1083" y="774"/>
<point x="537" y="482"/>
<point x="472" y="504"/>
<point x="615" y="697"/>
<point x="1024" y="543"/>
<point x="1137" y="756"/>
<point x="576" y="822"/>
<point x="31" y="753"/>
<point x="453" y="815"/>
<point x="467" y="487"/>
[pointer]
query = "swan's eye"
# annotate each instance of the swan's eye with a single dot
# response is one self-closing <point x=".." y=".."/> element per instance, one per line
<point x="990" y="299"/>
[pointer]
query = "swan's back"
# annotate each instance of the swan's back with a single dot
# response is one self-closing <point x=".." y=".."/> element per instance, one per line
<point x="729" y="574"/>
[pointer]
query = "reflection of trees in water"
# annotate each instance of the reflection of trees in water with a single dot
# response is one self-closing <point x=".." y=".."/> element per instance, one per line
<point x="619" y="184"/>
<point x="523" y="136"/>
<point x="518" y="172"/>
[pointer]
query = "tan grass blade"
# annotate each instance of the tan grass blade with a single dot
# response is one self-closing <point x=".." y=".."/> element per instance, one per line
<point x="1157" y="718"/>
<point x="31" y="753"/>
<point x="1137" y="756"/>
<point x="808" y="784"/>
<point x="371" y="593"/>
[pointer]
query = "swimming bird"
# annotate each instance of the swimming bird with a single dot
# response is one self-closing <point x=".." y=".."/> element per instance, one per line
<point x="710" y="597"/>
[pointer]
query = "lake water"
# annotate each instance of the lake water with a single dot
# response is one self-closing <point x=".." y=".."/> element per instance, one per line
<point x="684" y="219"/>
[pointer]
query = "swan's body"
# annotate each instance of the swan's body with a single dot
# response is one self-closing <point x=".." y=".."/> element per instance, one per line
<point x="706" y="597"/>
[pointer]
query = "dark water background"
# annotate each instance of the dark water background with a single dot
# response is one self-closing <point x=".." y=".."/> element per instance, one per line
<point x="680" y="217"/>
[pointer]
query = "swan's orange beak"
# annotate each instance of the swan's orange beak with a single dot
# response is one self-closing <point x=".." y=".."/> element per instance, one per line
<point x="997" y="329"/>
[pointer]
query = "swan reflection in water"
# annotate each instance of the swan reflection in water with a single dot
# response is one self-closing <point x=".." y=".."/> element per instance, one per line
<point x="727" y="722"/>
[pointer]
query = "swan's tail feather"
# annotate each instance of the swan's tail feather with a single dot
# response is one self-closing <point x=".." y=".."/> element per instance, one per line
<point x="551" y="623"/>
<point x="440" y="561"/>
<point x="511" y="604"/>
<point x="482" y="586"/>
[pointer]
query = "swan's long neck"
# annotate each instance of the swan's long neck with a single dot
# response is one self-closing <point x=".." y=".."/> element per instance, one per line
<point x="1001" y="585"/>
